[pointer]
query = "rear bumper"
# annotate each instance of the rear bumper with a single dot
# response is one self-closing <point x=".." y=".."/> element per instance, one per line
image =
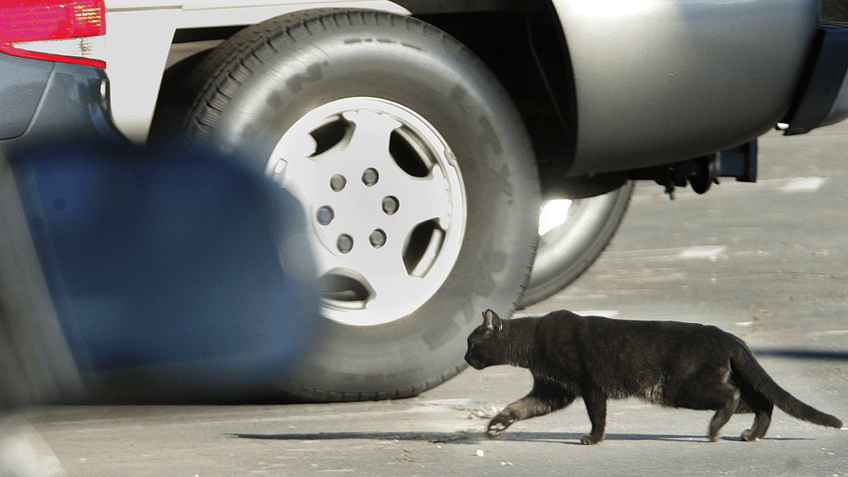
<point x="823" y="97"/>
<point x="58" y="102"/>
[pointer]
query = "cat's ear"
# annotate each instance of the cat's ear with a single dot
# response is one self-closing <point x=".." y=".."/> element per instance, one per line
<point x="492" y="320"/>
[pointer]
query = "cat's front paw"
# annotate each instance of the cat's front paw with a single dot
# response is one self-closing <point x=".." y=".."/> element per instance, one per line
<point x="498" y="425"/>
<point x="589" y="439"/>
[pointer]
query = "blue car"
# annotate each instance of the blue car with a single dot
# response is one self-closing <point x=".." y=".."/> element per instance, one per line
<point x="129" y="273"/>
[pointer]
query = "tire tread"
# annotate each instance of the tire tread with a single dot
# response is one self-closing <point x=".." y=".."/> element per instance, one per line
<point x="315" y="395"/>
<point x="239" y="57"/>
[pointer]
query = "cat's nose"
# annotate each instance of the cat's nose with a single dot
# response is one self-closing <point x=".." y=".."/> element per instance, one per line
<point x="473" y="362"/>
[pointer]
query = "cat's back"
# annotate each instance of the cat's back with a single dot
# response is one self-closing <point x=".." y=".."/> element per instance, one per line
<point x="562" y="324"/>
<point x="563" y="327"/>
<point x="628" y="357"/>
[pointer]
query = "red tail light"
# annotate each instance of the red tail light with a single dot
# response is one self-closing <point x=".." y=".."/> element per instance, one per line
<point x="53" y="30"/>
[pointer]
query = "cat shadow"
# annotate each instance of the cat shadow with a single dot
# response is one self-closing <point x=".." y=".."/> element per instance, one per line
<point x="476" y="437"/>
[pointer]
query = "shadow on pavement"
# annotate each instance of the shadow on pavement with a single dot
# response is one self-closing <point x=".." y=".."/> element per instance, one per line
<point x="802" y="354"/>
<point x="461" y="437"/>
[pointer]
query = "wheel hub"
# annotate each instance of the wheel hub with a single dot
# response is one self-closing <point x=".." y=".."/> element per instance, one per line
<point x="385" y="203"/>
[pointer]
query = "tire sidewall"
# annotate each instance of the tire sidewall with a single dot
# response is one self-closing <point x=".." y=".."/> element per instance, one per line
<point x="447" y="86"/>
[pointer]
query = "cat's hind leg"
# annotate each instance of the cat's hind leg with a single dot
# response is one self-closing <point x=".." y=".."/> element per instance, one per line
<point x="762" y="421"/>
<point x="545" y="397"/>
<point x="710" y="388"/>
<point x="724" y="413"/>
<point x="754" y="401"/>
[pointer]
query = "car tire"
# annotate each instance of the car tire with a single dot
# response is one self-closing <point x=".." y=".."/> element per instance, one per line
<point x="572" y="235"/>
<point x="367" y="117"/>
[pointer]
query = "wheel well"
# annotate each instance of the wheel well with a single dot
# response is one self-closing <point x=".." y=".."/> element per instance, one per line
<point x="525" y="48"/>
<point x="188" y="47"/>
<point x="521" y="41"/>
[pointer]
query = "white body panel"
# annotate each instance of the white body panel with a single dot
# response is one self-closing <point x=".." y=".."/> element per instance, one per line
<point x="139" y="35"/>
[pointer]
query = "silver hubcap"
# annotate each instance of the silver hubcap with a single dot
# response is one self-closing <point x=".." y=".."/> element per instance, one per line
<point x="385" y="204"/>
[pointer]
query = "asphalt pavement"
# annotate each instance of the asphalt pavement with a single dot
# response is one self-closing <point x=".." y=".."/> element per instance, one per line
<point x="765" y="261"/>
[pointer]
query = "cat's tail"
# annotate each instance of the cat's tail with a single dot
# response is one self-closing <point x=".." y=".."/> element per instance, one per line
<point x="743" y="361"/>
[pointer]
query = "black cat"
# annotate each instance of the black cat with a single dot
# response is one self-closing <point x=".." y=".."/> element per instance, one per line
<point x="668" y="363"/>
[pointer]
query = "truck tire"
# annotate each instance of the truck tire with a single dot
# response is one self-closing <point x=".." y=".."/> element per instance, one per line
<point x="580" y="230"/>
<point x="416" y="173"/>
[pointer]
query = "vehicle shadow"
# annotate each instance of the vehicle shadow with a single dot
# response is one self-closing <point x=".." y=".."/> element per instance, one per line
<point x="802" y="354"/>
<point x="462" y="437"/>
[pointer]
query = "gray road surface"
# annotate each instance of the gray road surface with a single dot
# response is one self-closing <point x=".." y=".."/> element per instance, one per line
<point x="765" y="261"/>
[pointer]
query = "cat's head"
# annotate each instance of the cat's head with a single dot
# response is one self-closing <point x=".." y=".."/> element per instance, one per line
<point x="487" y="343"/>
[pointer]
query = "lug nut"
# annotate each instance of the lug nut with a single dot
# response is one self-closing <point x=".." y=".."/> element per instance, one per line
<point x="338" y="182"/>
<point x="370" y="177"/>
<point x="390" y="204"/>
<point x="344" y="243"/>
<point x="325" y="215"/>
<point x="377" y="238"/>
